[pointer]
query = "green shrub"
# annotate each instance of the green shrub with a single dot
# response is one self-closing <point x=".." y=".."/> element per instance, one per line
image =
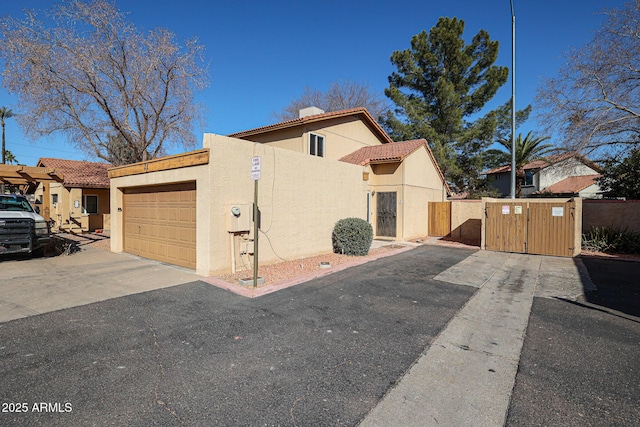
<point x="352" y="236"/>
<point x="611" y="240"/>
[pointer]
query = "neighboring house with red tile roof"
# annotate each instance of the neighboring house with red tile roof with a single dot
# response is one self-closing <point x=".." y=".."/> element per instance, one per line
<point x="581" y="186"/>
<point x="195" y="209"/>
<point x="544" y="175"/>
<point x="81" y="202"/>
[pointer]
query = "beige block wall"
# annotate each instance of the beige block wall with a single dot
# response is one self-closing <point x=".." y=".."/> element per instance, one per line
<point x="611" y="213"/>
<point x="300" y="197"/>
<point x="289" y="139"/>
<point x="415" y="218"/>
<point x="466" y="221"/>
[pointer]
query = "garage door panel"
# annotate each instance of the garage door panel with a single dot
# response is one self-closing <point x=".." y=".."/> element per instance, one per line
<point x="160" y="224"/>
<point x="185" y="236"/>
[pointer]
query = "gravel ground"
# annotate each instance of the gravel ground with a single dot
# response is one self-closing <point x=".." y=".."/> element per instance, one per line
<point x="104" y="244"/>
<point x="275" y="273"/>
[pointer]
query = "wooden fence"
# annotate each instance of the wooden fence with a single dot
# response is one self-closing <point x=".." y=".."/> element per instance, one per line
<point x="543" y="227"/>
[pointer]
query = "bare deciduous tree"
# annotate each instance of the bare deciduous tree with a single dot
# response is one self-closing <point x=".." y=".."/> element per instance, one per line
<point x="593" y="103"/>
<point x="340" y="96"/>
<point x="93" y="76"/>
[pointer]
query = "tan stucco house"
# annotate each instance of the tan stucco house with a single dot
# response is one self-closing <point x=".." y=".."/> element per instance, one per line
<point x="81" y="202"/>
<point x="195" y="209"/>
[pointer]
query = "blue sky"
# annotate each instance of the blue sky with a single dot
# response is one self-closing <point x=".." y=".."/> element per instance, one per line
<point x="262" y="54"/>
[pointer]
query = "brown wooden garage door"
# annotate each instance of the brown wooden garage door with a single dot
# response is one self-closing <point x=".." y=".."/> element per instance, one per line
<point x="160" y="223"/>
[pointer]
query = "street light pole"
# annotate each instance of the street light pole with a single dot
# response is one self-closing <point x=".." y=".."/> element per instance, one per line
<point x="513" y="102"/>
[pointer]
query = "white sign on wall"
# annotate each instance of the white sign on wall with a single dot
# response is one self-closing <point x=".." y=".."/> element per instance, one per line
<point x="557" y="211"/>
<point x="256" y="166"/>
<point x="506" y="209"/>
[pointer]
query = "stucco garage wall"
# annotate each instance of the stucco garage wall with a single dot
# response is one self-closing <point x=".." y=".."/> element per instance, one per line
<point x="197" y="174"/>
<point x="300" y="198"/>
<point x="414" y="212"/>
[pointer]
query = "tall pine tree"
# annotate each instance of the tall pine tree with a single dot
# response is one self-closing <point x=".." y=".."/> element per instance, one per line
<point x="441" y="83"/>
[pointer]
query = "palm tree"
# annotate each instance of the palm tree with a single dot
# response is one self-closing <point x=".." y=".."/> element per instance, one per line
<point x="10" y="158"/>
<point x="5" y="113"/>
<point x="527" y="150"/>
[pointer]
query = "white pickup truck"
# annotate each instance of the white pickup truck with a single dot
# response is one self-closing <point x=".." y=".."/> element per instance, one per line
<point x="22" y="230"/>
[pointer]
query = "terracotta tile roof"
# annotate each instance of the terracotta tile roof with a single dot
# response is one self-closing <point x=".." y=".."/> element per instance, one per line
<point x="571" y="185"/>
<point x="500" y="169"/>
<point x="79" y="173"/>
<point x="361" y="112"/>
<point x="392" y="152"/>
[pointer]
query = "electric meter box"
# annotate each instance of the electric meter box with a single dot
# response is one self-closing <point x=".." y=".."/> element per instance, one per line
<point x="239" y="217"/>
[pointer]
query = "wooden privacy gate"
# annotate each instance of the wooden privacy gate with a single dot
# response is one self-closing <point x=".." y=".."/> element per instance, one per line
<point x="439" y="218"/>
<point x="542" y="228"/>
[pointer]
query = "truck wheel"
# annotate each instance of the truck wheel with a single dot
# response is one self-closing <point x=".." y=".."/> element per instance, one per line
<point x="38" y="253"/>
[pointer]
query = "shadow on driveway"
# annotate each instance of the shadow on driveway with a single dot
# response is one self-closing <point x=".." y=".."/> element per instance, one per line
<point x="579" y="365"/>
<point x="618" y="285"/>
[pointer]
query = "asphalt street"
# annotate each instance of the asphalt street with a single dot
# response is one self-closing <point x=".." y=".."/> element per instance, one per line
<point x="320" y="353"/>
<point x="580" y="365"/>
<point x="323" y="353"/>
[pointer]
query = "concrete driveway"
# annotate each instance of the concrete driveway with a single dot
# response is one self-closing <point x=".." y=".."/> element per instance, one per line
<point x="41" y="285"/>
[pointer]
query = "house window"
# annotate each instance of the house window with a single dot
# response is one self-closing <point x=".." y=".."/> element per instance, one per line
<point x="316" y="145"/>
<point x="54" y="198"/>
<point x="90" y="204"/>
<point x="528" y="178"/>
